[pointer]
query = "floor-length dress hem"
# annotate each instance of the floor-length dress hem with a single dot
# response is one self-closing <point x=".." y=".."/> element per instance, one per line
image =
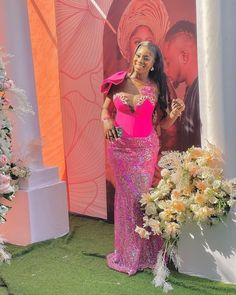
<point x="133" y="160"/>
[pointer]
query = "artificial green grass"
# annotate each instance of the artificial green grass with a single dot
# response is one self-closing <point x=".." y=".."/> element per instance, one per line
<point x="75" y="265"/>
<point x="3" y="291"/>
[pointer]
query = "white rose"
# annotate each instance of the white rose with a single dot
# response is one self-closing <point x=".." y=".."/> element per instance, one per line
<point x="143" y="233"/>
<point x="227" y="187"/>
<point x="165" y="173"/>
<point x="216" y="184"/>
<point x="150" y="209"/>
<point x="202" y="162"/>
<point x="213" y="200"/>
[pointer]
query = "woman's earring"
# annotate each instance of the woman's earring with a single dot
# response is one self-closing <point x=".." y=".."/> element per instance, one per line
<point x="152" y="69"/>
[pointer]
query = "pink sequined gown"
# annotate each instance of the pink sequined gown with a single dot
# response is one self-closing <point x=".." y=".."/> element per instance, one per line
<point x="133" y="159"/>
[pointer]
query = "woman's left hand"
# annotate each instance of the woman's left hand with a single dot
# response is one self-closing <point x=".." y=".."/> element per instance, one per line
<point x="177" y="107"/>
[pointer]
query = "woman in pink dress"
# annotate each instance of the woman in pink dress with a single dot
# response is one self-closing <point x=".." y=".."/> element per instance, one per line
<point x="140" y="99"/>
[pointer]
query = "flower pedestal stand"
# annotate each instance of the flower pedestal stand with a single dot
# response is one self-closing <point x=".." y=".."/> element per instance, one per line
<point x="210" y="251"/>
<point x="39" y="210"/>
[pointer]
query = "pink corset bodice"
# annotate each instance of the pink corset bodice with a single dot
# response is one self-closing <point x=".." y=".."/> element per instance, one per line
<point x="136" y="120"/>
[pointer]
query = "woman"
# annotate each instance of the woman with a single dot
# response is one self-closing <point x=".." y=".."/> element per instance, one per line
<point x="139" y="96"/>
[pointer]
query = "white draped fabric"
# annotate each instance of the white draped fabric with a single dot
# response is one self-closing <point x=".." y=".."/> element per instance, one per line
<point x="216" y="25"/>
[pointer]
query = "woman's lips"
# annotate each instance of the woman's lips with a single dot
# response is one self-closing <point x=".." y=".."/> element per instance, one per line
<point x="140" y="65"/>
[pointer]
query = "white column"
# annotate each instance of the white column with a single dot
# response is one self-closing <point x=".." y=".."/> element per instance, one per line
<point x="40" y="208"/>
<point x="216" y="25"/>
<point x="20" y="69"/>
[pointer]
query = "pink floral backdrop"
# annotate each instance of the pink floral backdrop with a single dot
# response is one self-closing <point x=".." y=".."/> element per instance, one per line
<point x="80" y="33"/>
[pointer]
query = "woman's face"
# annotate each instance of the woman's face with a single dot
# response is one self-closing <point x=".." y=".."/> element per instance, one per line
<point x="141" y="33"/>
<point x="143" y="60"/>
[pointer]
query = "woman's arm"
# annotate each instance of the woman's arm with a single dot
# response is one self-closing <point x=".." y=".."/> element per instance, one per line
<point x="108" y="124"/>
<point x="177" y="107"/>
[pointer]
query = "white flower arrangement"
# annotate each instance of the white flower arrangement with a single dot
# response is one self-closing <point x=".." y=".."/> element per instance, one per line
<point x="10" y="171"/>
<point x="192" y="188"/>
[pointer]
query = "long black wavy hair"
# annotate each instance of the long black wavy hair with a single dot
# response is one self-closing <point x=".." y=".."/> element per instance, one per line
<point x="157" y="75"/>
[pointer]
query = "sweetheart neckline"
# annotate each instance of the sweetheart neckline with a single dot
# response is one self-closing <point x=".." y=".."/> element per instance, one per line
<point x="124" y="99"/>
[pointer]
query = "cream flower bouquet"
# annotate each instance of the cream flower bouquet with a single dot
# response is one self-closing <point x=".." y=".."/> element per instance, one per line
<point x="192" y="188"/>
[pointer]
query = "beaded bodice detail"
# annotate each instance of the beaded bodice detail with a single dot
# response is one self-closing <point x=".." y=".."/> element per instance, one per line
<point x="134" y="112"/>
<point x="146" y="93"/>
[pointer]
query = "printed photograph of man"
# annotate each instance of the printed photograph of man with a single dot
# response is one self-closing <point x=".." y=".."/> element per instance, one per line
<point x="180" y="52"/>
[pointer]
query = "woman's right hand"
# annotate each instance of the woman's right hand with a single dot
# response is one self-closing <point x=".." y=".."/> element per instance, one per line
<point x="109" y="129"/>
<point x="108" y="123"/>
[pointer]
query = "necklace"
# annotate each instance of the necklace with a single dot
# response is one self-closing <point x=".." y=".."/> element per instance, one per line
<point x="139" y="82"/>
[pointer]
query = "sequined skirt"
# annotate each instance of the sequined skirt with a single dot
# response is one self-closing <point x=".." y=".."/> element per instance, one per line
<point x="133" y="161"/>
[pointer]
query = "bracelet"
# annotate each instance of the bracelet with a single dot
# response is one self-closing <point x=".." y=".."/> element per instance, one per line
<point x="105" y="118"/>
